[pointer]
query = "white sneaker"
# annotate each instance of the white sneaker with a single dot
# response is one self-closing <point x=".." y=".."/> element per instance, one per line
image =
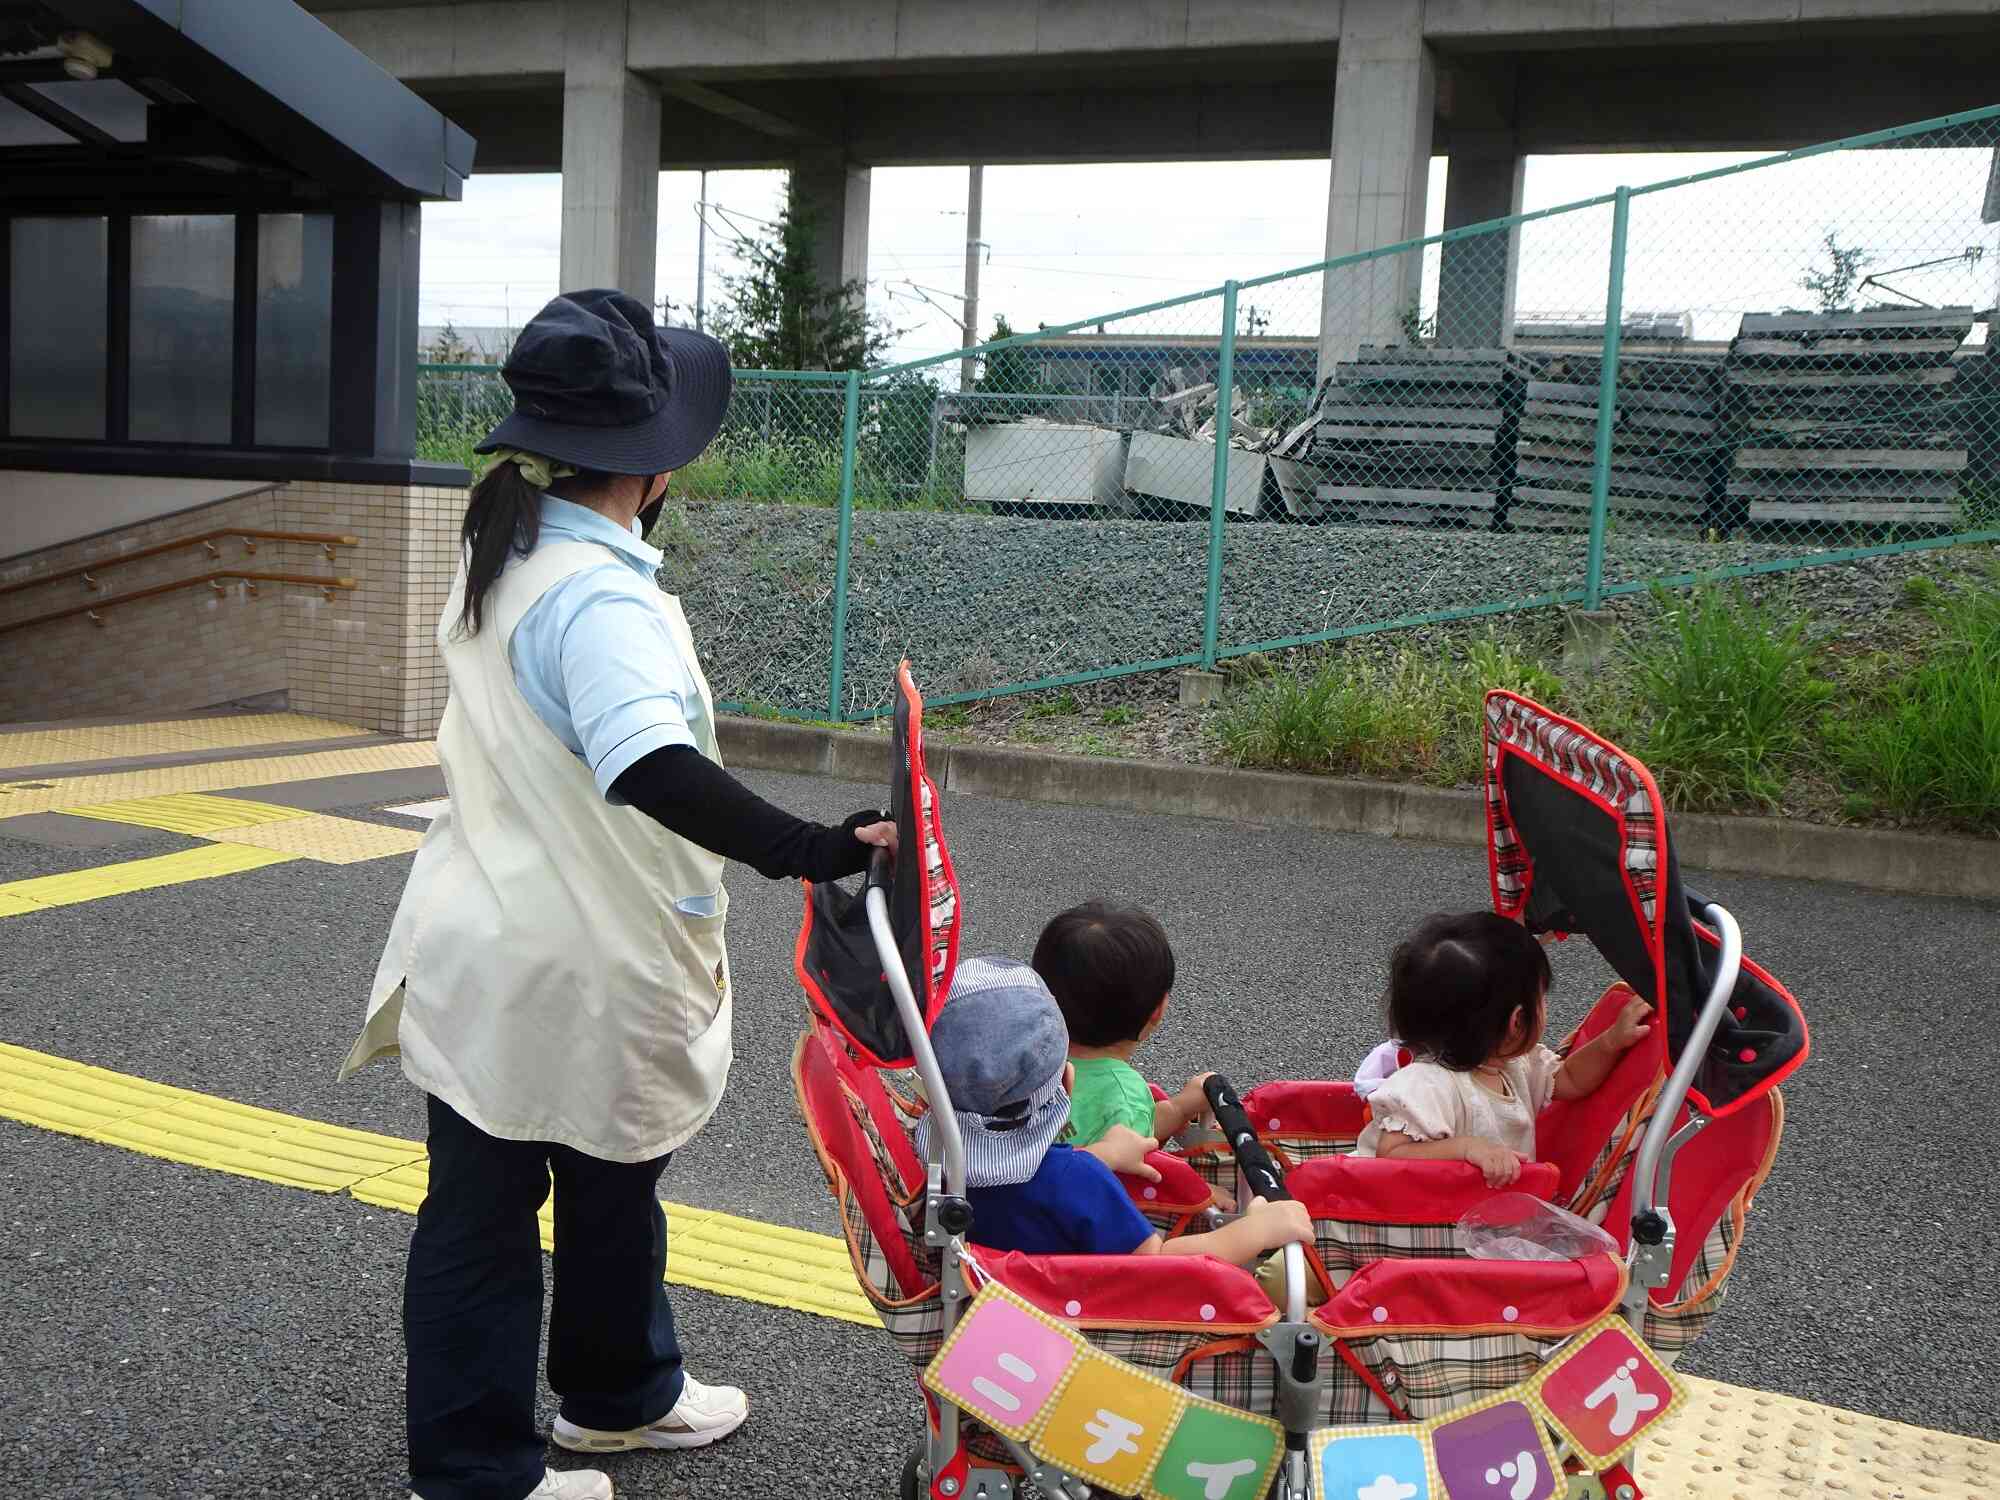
<point x="572" y="1484"/>
<point x="705" y="1414"/>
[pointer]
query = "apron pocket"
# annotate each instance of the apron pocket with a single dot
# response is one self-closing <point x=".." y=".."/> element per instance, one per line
<point x="704" y="965"/>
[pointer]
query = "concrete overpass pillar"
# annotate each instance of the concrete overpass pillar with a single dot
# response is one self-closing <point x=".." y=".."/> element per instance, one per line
<point x="1384" y="96"/>
<point x="834" y="192"/>
<point x="610" y="156"/>
<point x="1476" y="276"/>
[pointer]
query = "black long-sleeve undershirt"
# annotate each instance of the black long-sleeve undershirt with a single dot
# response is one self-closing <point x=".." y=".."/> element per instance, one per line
<point x="687" y="793"/>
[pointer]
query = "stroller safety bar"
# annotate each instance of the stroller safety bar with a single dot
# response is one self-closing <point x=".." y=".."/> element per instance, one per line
<point x="1652" y="1219"/>
<point x="944" y="1123"/>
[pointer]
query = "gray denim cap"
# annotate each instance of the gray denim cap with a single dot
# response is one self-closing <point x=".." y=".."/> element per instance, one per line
<point x="1001" y="1045"/>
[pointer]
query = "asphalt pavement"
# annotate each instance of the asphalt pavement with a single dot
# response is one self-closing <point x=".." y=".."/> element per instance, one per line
<point x="165" y="1330"/>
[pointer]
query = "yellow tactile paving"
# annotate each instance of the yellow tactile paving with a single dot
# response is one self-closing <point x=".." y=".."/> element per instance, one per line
<point x="1737" y="1444"/>
<point x="716" y="1252"/>
<point x="330" y="840"/>
<point x="22" y="897"/>
<point x="706" y="1249"/>
<point x="186" y="812"/>
<point x="42" y="747"/>
<point x="1730" y="1444"/>
<point x="20" y="797"/>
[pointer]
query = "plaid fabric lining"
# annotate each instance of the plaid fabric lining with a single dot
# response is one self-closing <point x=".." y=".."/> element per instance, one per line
<point x="944" y="897"/>
<point x="1671" y="1329"/>
<point x="1430" y="1374"/>
<point x="1345" y="1245"/>
<point x="1589" y="764"/>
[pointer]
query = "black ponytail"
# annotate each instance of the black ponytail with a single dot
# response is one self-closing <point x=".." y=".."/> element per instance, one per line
<point x="503" y="519"/>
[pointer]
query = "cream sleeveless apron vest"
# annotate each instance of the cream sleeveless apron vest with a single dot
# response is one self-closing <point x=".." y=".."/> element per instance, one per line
<point x="544" y="975"/>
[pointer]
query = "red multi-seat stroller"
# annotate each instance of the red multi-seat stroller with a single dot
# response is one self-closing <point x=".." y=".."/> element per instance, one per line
<point x="1666" y="1155"/>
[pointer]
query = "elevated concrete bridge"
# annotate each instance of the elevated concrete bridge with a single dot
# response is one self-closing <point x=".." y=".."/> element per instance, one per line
<point x="610" y="92"/>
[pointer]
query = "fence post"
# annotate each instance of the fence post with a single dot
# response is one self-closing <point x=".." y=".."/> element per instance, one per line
<point x="1225" y="427"/>
<point x="850" y="423"/>
<point x="1607" y="400"/>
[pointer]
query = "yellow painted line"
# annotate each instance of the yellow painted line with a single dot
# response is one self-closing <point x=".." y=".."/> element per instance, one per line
<point x="20" y="797"/>
<point x="38" y="747"/>
<point x="712" y="1251"/>
<point x="1731" y="1444"/>
<point x="185" y="812"/>
<point x="330" y="840"/>
<point x="39" y="893"/>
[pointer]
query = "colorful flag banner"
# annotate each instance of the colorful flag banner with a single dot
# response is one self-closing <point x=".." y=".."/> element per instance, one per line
<point x="1025" y="1374"/>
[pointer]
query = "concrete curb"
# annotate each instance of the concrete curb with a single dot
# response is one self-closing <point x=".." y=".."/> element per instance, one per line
<point x="1918" y="864"/>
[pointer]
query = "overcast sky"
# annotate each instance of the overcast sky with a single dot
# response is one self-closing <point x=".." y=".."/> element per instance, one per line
<point x="1071" y="242"/>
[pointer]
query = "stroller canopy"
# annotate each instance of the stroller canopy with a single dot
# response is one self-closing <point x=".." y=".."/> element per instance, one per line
<point x="836" y="957"/>
<point x="1577" y="842"/>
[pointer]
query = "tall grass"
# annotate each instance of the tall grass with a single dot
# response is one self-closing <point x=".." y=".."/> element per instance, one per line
<point x="1718" y="694"/>
<point x="1731" y="703"/>
<point x="1410" y="713"/>
<point x="1928" y="743"/>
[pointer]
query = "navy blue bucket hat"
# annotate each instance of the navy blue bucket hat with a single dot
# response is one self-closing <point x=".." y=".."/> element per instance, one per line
<point x="597" y="385"/>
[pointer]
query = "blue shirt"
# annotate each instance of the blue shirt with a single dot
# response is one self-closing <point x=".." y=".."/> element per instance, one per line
<point x="1073" y="1205"/>
<point x="594" y="656"/>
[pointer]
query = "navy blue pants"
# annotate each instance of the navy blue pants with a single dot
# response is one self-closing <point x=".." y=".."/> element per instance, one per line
<point x="472" y="1307"/>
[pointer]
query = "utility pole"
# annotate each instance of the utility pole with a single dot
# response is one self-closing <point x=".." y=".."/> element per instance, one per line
<point x="975" y="189"/>
<point x="701" y="256"/>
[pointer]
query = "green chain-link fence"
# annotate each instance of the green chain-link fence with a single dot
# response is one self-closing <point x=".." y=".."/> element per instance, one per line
<point x="1758" y="369"/>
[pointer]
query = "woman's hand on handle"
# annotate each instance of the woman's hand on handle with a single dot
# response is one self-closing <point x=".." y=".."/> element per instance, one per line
<point x="881" y="835"/>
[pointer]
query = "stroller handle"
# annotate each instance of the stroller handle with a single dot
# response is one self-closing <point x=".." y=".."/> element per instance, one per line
<point x="1263" y="1175"/>
<point x="1647" y="1203"/>
<point x="944" y="1123"/>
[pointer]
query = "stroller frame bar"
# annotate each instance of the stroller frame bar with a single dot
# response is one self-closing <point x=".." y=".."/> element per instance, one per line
<point x="1652" y="1219"/>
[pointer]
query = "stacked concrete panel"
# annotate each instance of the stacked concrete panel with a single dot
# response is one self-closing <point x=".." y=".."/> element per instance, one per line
<point x="1667" y="451"/>
<point x="1417" y="435"/>
<point x="1847" y="418"/>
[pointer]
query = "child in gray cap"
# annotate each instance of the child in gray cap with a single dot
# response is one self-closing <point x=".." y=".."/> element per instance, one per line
<point x="1004" y="1052"/>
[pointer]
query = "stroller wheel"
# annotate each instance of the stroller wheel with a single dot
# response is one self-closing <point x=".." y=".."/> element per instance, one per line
<point x="916" y="1483"/>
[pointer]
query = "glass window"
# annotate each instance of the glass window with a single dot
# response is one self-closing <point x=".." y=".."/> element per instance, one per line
<point x="56" y="354"/>
<point x="113" y="107"/>
<point x="183" y="328"/>
<point x="294" y="329"/>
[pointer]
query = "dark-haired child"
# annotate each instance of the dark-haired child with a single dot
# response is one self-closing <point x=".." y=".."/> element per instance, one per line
<point x="1467" y="996"/>
<point x="1111" y="970"/>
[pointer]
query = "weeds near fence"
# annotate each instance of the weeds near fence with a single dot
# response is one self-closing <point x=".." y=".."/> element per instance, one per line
<point x="1927" y="742"/>
<point x="1414" y="713"/>
<point x="1719" y="695"/>
<point x="1734" y="705"/>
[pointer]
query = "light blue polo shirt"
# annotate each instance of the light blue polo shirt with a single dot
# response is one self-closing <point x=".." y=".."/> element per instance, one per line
<point x="594" y="656"/>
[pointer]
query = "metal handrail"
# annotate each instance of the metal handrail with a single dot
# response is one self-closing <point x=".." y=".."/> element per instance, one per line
<point x="214" y="580"/>
<point x="250" y="536"/>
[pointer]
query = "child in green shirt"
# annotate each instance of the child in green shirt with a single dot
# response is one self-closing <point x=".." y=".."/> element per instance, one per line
<point x="1111" y="970"/>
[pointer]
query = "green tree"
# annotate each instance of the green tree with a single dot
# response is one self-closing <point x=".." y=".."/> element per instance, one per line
<point x="1013" y="371"/>
<point x="778" y="315"/>
<point x="1833" y="283"/>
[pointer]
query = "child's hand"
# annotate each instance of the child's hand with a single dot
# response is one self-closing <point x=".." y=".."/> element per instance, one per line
<point x="1124" y="1150"/>
<point x="1499" y="1165"/>
<point x="1224" y="1202"/>
<point x="1191" y="1101"/>
<point x="1633" y="1026"/>
<point x="1275" y="1225"/>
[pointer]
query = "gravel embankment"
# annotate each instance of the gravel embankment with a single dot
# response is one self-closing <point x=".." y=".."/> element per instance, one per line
<point x="983" y="601"/>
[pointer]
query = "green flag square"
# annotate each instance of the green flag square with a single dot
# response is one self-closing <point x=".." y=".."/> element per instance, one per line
<point x="1217" y="1454"/>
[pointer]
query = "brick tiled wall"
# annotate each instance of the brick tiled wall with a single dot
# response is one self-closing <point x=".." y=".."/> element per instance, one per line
<point x="365" y="656"/>
<point x="370" y="656"/>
